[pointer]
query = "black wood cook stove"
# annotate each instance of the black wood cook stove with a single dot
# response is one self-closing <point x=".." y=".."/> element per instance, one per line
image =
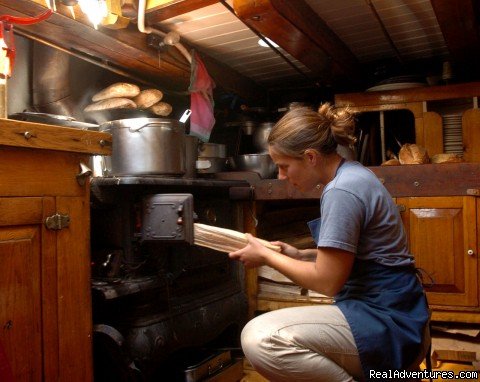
<point x="156" y="296"/>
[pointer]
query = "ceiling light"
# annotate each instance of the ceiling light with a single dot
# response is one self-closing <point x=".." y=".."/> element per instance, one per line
<point x="96" y="10"/>
<point x="261" y="42"/>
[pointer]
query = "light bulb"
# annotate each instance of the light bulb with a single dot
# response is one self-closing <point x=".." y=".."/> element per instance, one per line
<point x="96" y="10"/>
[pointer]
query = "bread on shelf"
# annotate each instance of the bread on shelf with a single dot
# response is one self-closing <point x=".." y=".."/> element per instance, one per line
<point x="447" y="158"/>
<point x="391" y="162"/>
<point x="413" y="154"/>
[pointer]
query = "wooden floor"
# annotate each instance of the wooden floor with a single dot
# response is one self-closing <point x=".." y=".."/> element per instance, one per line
<point x="251" y="375"/>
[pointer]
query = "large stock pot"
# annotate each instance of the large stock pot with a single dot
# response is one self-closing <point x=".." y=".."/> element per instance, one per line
<point x="147" y="146"/>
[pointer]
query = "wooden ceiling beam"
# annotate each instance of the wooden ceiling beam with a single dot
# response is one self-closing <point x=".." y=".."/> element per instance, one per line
<point x="156" y="12"/>
<point x="301" y="32"/>
<point x="123" y="48"/>
<point x="459" y="23"/>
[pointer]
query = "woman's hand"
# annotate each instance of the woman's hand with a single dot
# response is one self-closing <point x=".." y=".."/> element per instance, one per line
<point x="287" y="249"/>
<point x="253" y="254"/>
<point x="295" y="253"/>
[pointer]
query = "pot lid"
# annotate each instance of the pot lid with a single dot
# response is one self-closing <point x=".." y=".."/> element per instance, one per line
<point x="52" y="119"/>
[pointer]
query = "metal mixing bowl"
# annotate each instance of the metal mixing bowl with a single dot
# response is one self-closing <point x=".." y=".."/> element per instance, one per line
<point x="259" y="163"/>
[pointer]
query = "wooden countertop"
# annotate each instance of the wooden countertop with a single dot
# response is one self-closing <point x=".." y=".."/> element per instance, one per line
<point x="49" y="137"/>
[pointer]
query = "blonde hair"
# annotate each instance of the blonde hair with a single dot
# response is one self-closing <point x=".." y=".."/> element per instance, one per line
<point x="303" y="128"/>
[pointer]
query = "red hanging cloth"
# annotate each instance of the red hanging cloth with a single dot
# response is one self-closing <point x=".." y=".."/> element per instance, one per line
<point x="201" y="100"/>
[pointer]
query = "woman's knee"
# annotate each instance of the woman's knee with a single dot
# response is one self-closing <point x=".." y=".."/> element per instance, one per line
<point x="254" y="339"/>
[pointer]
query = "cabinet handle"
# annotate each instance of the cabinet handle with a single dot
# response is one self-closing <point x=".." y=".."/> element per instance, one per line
<point x="470" y="252"/>
<point x="57" y="222"/>
<point x="84" y="173"/>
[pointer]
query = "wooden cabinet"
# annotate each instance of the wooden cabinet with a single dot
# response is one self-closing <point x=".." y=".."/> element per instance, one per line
<point x="442" y="235"/>
<point x="20" y="284"/>
<point x="427" y="115"/>
<point x="45" y="306"/>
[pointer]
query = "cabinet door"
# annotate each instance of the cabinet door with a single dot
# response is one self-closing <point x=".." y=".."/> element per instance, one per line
<point x="74" y="297"/>
<point x="442" y="235"/>
<point x="21" y="232"/>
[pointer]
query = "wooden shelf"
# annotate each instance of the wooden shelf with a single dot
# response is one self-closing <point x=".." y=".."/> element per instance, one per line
<point x="445" y="179"/>
<point x="430" y="93"/>
<point x="48" y="137"/>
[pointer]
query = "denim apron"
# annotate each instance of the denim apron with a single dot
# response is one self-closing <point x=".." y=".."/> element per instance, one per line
<point x="387" y="311"/>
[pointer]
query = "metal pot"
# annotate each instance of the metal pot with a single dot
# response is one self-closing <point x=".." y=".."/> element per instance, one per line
<point x="260" y="136"/>
<point x="210" y="165"/>
<point x="259" y="163"/>
<point x="147" y="146"/>
<point x="102" y="116"/>
<point x="211" y="158"/>
<point x="212" y="150"/>
<point x="101" y="165"/>
<point x="247" y="127"/>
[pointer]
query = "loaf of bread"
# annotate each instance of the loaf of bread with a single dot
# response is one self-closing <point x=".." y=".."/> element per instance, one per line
<point x="117" y="90"/>
<point x="147" y="98"/>
<point x="113" y="103"/>
<point x="413" y="154"/>
<point x="391" y="162"/>
<point x="161" y="108"/>
<point x="447" y="158"/>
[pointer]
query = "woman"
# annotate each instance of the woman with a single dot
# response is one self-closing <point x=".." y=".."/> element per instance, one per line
<point x="380" y="313"/>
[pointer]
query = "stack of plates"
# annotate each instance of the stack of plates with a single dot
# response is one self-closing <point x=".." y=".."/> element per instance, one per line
<point x="397" y="83"/>
<point x="398" y="86"/>
<point x="452" y="133"/>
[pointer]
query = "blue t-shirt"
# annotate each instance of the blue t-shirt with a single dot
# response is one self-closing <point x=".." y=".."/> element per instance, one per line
<point x="358" y="215"/>
<point x="382" y="300"/>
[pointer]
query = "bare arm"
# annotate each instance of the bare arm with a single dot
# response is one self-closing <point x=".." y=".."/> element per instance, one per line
<point x="326" y="275"/>
<point x="295" y="253"/>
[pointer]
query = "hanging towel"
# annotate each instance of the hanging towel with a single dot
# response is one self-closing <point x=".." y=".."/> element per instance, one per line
<point x="201" y="100"/>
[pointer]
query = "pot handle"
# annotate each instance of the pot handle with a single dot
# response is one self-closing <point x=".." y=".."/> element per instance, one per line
<point x="203" y="164"/>
<point x="185" y="116"/>
<point x="139" y="125"/>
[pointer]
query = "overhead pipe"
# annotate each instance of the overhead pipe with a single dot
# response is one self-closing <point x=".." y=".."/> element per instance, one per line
<point x="50" y="81"/>
<point x="98" y="62"/>
<point x="171" y="38"/>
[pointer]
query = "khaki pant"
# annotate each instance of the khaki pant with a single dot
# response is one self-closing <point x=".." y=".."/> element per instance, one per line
<point x="311" y="343"/>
